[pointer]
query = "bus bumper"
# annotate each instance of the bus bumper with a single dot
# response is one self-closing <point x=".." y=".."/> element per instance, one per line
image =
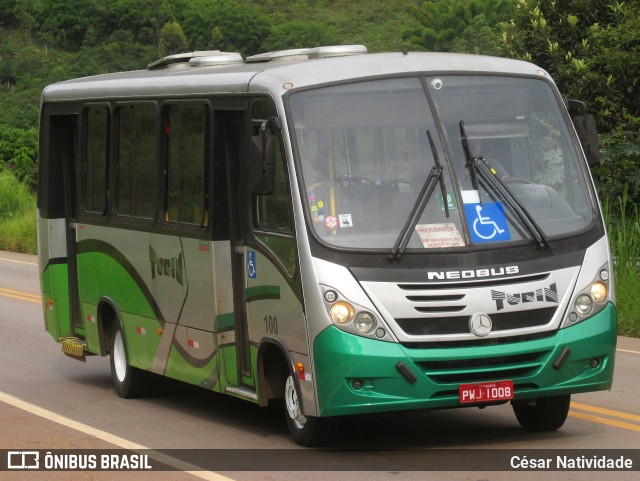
<point x="359" y="375"/>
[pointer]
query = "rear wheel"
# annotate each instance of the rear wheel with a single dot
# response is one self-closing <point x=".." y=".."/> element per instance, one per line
<point x="305" y="430"/>
<point x="544" y="414"/>
<point x="128" y="381"/>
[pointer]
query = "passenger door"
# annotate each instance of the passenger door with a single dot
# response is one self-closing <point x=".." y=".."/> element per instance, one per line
<point x="231" y="209"/>
<point x="63" y="135"/>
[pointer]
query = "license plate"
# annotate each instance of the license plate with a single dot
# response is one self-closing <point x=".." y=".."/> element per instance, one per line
<point x="486" y="392"/>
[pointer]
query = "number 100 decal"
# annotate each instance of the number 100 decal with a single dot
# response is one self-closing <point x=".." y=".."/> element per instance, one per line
<point x="271" y="324"/>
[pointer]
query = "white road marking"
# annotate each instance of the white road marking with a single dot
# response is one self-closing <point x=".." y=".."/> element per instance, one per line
<point x="18" y="262"/>
<point x="110" y="438"/>
<point x="627" y="350"/>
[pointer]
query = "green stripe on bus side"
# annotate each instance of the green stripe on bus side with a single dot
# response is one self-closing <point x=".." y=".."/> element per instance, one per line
<point x="212" y="381"/>
<point x="118" y="277"/>
<point x="259" y="293"/>
<point x="55" y="288"/>
<point x="224" y="322"/>
<point x="179" y="368"/>
<point x="142" y="339"/>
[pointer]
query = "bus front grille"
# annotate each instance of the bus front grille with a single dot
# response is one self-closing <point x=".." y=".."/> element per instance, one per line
<point x="439" y="326"/>
<point x="484" y="369"/>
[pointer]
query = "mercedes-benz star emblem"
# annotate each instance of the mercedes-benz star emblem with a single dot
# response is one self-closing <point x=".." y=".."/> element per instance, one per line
<point x="480" y="324"/>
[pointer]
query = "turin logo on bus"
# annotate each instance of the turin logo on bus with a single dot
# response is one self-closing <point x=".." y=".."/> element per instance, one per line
<point x="170" y="267"/>
<point x="546" y="294"/>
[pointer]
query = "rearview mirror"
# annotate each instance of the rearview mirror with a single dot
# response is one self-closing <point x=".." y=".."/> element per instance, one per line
<point x="262" y="158"/>
<point x="585" y="125"/>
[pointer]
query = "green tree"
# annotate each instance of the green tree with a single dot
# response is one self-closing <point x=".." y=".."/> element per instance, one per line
<point x="591" y="48"/>
<point x="172" y="39"/>
<point x="18" y="153"/>
<point x="300" y="34"/>
<point x="480" y="37"/>
<point x="224" y="25"/>
<point x="143" y="18"/>
<point x="444" y="21"/>
<point x="9" y="47"/>
<point x="26" y="12"/>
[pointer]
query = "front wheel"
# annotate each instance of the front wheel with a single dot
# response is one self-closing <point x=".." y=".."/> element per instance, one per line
<point x="544" y="414"/>
<point x="128" y="381"/>
<point x="306" y="430"/>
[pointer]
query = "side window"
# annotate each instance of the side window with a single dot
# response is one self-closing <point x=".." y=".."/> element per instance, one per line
<point x="272" y="215"/>
<point x="95" y="180"/>
<point x="136" y="164"/>
<point x="185" y="136"/>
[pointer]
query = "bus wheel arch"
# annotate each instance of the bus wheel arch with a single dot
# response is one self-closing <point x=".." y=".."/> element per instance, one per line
<point x="273" y="369"/>
<point x="128" y="381"/>
<point x="107" y="317"/>
<point x="277" y="380"/>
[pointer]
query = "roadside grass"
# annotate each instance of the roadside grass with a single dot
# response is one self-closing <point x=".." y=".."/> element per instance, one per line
<point x="17" y="216"/>
<point x="624" y="239"/>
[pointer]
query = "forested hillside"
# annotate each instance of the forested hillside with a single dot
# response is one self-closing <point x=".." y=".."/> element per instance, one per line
<point x="45" y="41"/>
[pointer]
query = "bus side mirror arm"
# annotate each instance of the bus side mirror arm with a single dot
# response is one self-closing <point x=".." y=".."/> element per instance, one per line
<point x="585" y="125"/>
<point x="263" y="158"/>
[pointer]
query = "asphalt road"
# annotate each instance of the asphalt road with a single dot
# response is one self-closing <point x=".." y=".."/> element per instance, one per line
<point x="51" y="402"/>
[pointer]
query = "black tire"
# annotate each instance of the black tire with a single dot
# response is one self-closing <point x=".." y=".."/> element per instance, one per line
<point x="544" y="414"/>
<point x="128" y="381"/>
<point x="307" y="431"/>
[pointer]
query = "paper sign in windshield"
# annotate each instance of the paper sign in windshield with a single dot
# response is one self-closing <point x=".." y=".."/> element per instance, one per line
<point x="434" y="236"/>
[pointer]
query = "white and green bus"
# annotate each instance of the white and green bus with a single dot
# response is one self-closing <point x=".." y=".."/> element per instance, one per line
<point x="350" y="232"/>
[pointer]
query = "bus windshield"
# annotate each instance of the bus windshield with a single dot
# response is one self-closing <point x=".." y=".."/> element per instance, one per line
<point x="364" y="152"/>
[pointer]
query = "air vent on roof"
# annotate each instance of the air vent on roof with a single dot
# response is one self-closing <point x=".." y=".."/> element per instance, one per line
<point x="181" y="59"/>
<point x="219" y="60"/>
<point x="336" y="51"/>
<point x="307" y="53"/>
<point x="280" y="55"/>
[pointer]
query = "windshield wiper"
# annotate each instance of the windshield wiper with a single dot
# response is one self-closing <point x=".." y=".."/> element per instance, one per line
<point x="435" y="176"/>
<point x="478" y="167"/>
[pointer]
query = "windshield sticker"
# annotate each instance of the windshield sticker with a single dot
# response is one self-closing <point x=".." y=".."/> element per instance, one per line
<point x="470" y="197"/>
<point x="434" y="236"/>
<point x="487" y="222"/>
<point x="451" y="202"/>
<point x="317" y="207"/>
<point x="345" y="220"/>
<point x="331" y="222"/>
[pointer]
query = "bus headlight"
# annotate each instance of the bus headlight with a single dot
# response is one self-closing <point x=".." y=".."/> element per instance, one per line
<point x="354" y="318"/>
<point x="341" y="312"/>
<point x="599" y="292"/>
<point x="365" y="322"/>
<point x="592" y="298"/>
<point x="583" y="304"/>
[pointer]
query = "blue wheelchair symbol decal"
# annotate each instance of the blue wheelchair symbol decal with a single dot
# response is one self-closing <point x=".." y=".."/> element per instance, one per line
<point x="251" y="264"/>
<point x="487" y="221"/>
